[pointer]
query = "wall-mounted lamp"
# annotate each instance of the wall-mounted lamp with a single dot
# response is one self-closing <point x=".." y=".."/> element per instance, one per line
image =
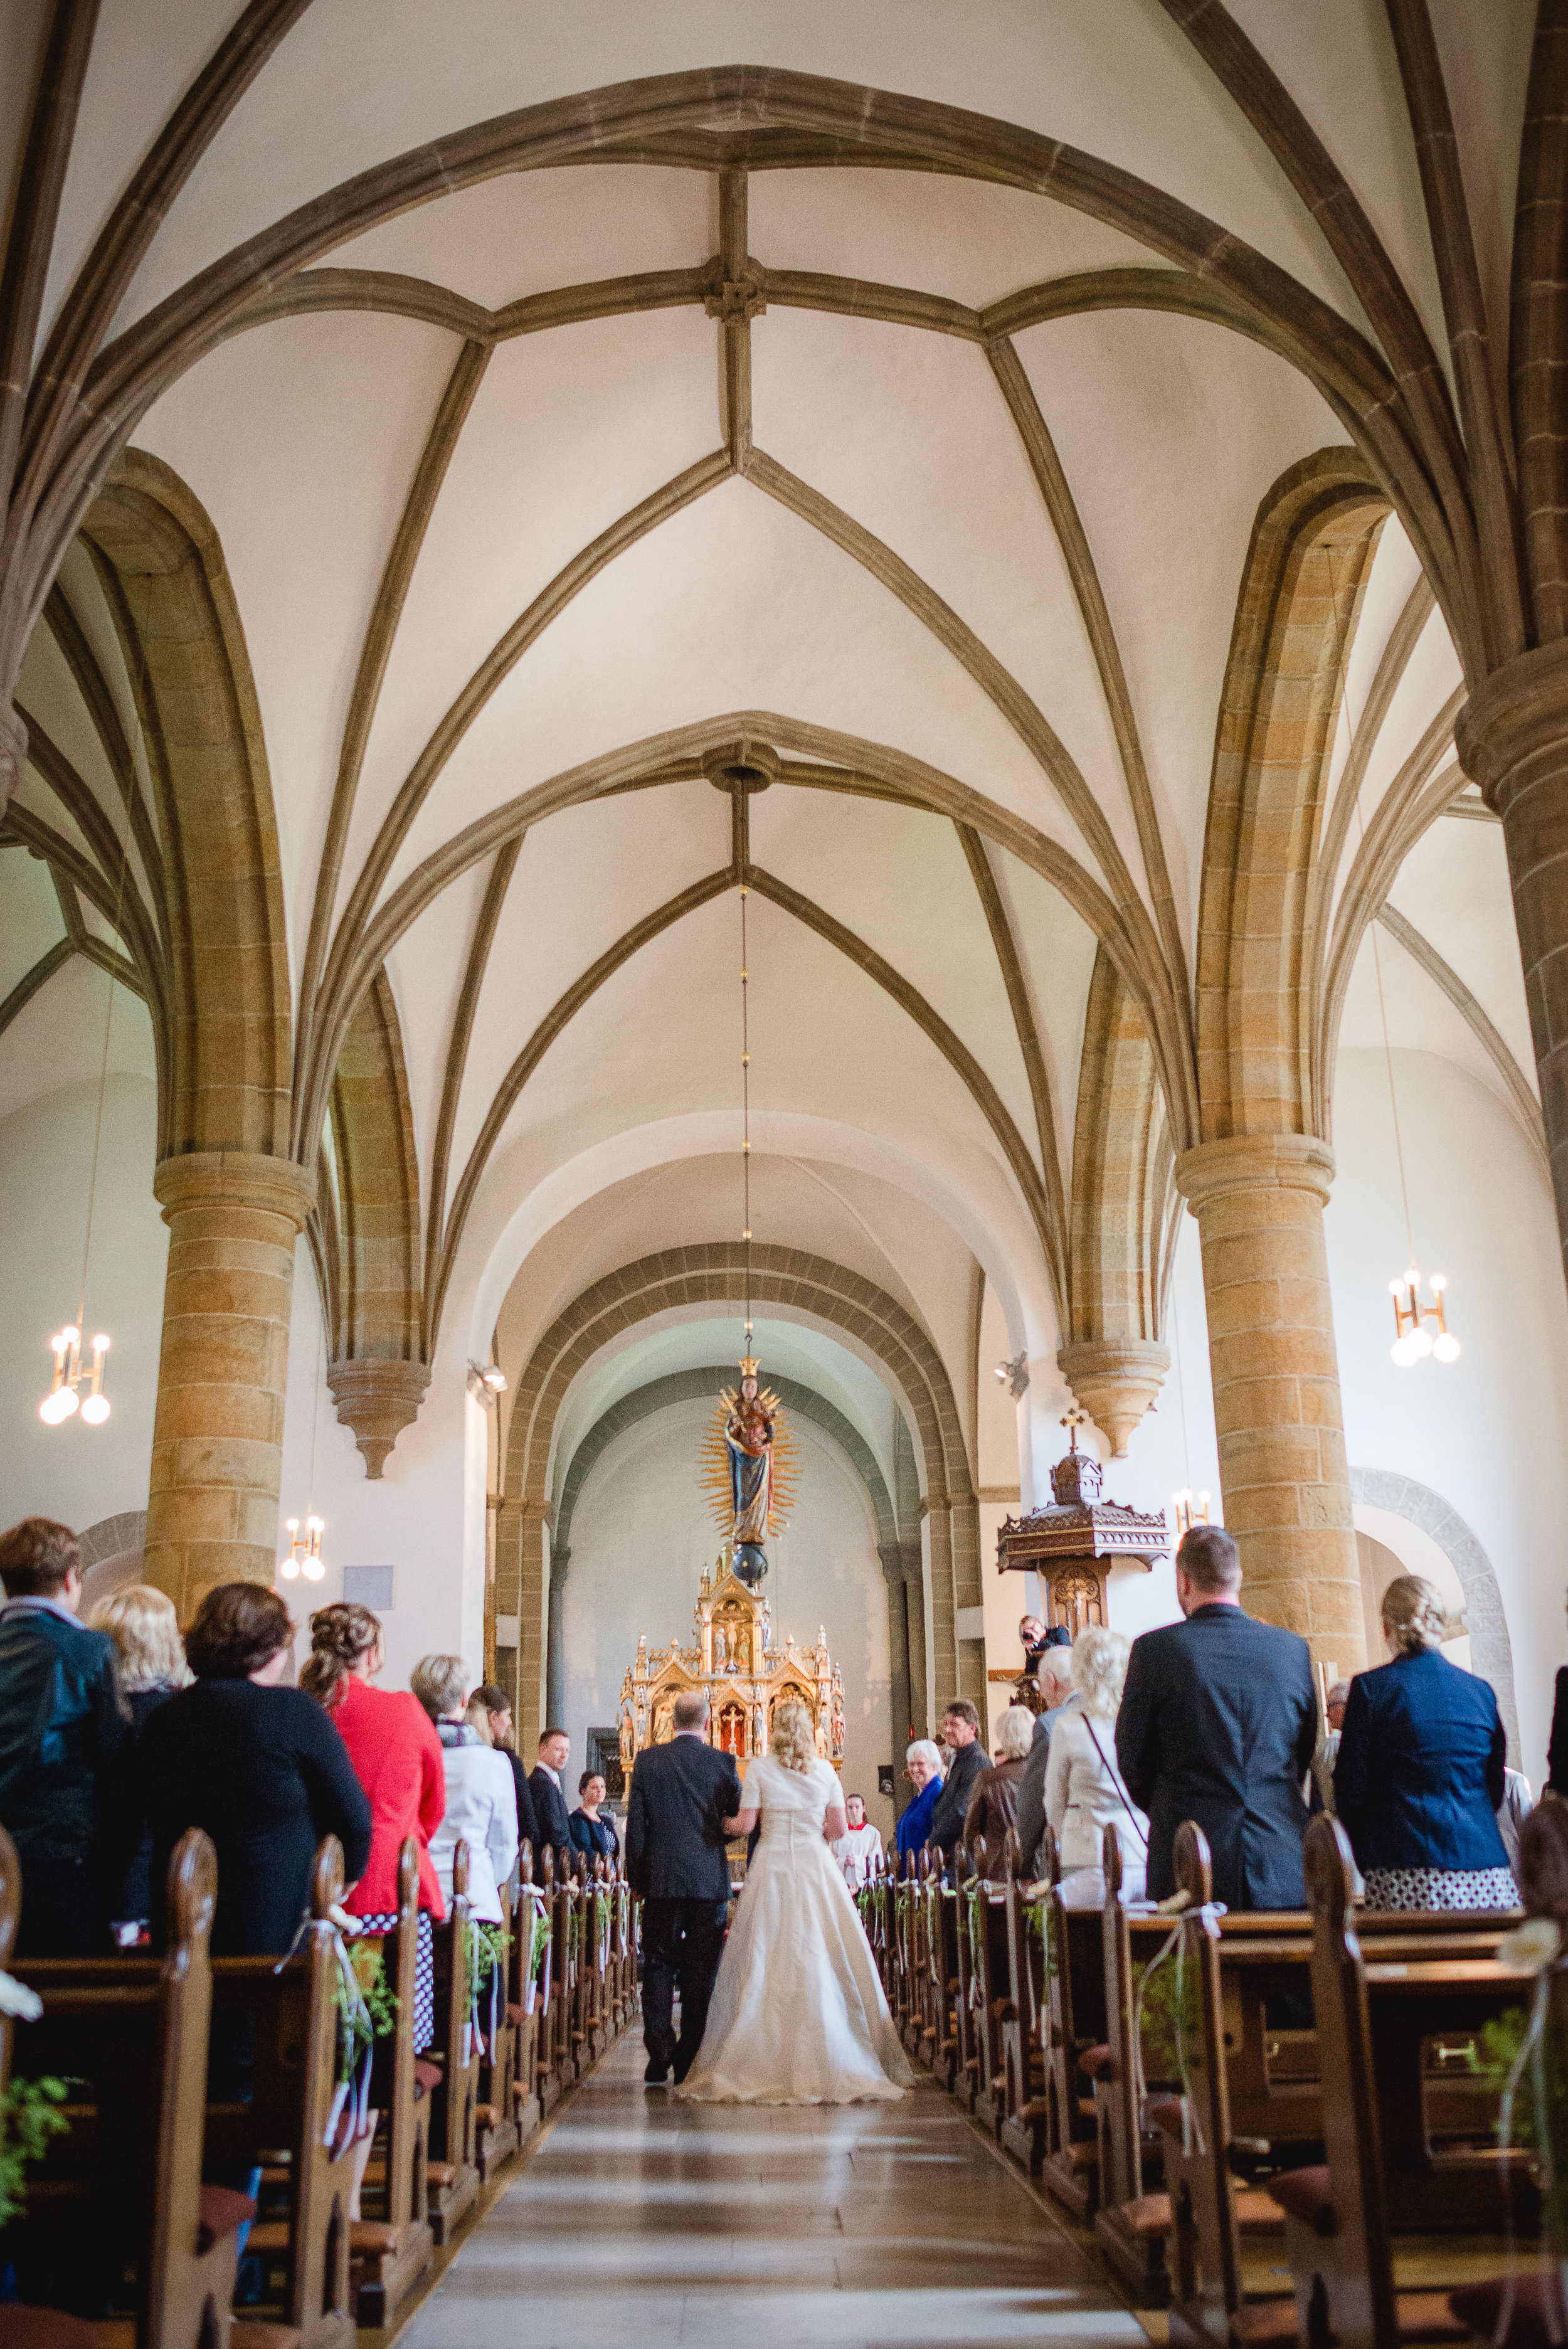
<point x="1014" y="1375"/>
<point x="486" y="1378"/>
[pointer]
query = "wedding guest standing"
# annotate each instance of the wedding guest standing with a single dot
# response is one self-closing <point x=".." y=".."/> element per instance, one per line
<point x="923" y="1763"/>
<point x="544" y="1783"/>
<point x="503" y="1737"/>
<point x="397" y="1758"/>
<point x="994" y="1805"/>
<point x="961" y="1734"/>
<point x="860" y="1845"/>
<point x="1218" y="1722"/>
<point x="65" y="1746"/>
<point x="1084" y="1790"/>
<point x="145" y="1630"/>
<point x="1056" y="1693"/>
<point x="593" y="1833"/>
<point x="258" y="1767"/>
<point x="481" y="1809"/>
<point x="1420" y="1772"/>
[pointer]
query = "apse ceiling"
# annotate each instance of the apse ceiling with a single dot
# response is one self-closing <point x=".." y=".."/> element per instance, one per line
<point x="651" y="449"/>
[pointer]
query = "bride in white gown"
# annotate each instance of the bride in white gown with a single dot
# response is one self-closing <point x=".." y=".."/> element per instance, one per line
<point x="797" y="2015"/>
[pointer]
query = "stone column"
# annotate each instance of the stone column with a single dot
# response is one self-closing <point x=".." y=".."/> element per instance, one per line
<point x="555" y="1642"/>
<point x="1512" y="738"/>
<point x="1259" y="1201"/>
<point x="233" y="1216"/>
<point x="901" y="1711"/>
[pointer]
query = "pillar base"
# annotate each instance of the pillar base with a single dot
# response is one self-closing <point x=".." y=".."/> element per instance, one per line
<point x="1115" y="1382"/>
<point x="378" y="1400"/>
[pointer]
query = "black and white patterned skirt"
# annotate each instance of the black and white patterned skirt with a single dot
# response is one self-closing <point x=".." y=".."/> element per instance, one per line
<point x="384" y="1921"/>
<point x="1440" y="1887"/>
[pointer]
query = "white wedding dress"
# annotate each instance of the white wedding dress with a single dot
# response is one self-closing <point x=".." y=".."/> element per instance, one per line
<point x="798" y="2015"/>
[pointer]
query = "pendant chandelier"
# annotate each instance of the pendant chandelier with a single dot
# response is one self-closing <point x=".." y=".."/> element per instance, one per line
<point x="304" y="1555"/>
<point x="1187" y="1508"/>
<point x="1413" y="1343"/>
<point x="77" y="1389"/>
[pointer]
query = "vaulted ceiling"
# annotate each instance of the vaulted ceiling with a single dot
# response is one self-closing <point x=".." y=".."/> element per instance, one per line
<point x="633" y="452"/>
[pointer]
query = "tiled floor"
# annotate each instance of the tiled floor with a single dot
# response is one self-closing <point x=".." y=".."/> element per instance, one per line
<point x="642" y="2223"/>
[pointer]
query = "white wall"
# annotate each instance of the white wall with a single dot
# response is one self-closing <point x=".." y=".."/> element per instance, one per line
<point x="641" y="1537"/>
<point x="1486" y="1431"/>
<point x="75" y="1473"/>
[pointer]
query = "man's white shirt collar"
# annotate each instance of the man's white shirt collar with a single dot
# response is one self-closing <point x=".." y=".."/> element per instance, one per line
<point x="553" y="1776"/>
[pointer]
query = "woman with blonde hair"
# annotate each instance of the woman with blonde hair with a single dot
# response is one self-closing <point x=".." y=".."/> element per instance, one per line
<point x="994" y="1805"/>
<point x="145" y="1630"/>
<point x="798" y="2015"/>
<point x="1084" y="1791"/>
<point x="1421" y="1768"/>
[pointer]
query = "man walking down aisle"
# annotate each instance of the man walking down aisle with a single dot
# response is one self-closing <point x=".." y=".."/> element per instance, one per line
<point x="684" y="1800"/>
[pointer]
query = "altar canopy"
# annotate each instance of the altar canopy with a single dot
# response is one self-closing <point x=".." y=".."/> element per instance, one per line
<point x="745" y="1678"/>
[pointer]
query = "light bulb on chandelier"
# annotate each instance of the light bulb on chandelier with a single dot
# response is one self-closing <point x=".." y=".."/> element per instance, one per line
<point x="63" y="1400"/>
<point x="304" y="1552"/>
<point x="1412" y="1339"/>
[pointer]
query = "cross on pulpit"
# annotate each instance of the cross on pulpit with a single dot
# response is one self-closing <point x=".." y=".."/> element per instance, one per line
<point x="1072" y="1421"/>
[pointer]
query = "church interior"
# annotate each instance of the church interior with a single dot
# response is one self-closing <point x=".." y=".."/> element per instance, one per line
<point x="879" y="689"/>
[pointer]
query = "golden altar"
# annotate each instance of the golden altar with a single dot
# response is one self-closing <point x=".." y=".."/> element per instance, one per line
<point x="745" y="1678"/>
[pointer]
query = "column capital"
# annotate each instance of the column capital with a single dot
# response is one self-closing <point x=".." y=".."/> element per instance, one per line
<point x="1255" y="1162"/>
<point x="1116" y="1380"/>
<point x="198" y="1179"/>
<point x="12" y="752"/>
<point x="378" y="1400"/>
<point x="1516" y="721"/>
<point x="519" y="1512"/>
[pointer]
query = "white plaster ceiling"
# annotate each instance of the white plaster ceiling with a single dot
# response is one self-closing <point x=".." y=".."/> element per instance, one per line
<point x="301" y="439"/>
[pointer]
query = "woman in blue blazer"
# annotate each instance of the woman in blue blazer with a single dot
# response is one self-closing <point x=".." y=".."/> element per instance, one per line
<point x="1419" y="1771"/>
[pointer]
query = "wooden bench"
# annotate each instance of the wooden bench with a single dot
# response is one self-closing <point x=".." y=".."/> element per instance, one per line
<point x="1386" y="2174"/>
<point x="390" y="2255"/>
<point x="125" y="2182"/>
<point x="523" y="2004"/>
<point x="451" y="2169"/>
<point x="1442" y="1977"/>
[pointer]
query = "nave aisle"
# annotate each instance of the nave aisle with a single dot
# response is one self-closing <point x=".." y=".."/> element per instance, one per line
<point x="642" y="2224"/>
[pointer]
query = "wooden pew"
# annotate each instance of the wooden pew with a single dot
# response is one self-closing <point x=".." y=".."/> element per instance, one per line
<point x="1074" y="2023"/>
<point x="522" y="2002"/>
<point x="1025" y="2123"/>
<point x="941" y="2036"/>
<point x="1383" y="2176"/>
<point x="495" y="2117"/>
<point x="126" y="2179"/>
<point x="451" y="2170"/>
<point x="1237" y="2110"/>
<point x="994" y="2009"/>
<point x="390" y="2255"/>
<point x="296" y="2009"/>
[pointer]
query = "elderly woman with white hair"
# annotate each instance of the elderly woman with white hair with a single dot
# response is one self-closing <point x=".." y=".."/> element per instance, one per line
<point x="1084" y="1791"/>
<point x="994" y="1805"/>
<point x="1421" y="1770"/>
<point x="923" y="1763"/>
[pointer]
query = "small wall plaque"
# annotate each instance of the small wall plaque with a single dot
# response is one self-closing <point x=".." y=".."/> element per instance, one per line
<point x="375" y="1587"/>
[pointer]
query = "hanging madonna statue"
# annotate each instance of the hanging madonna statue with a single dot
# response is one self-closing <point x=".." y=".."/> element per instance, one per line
<point x="748" y="1454"/>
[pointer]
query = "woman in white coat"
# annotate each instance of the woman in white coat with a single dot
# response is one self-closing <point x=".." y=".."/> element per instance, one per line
<point x="1084" y="1793"/>
<point x="481" y="1803"/>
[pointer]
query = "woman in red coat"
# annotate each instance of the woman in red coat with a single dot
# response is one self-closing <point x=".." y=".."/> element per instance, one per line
<point x="397" y="1758"/>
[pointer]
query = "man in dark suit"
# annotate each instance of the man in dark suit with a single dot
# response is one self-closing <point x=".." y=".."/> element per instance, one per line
<point x="684" y="1800"/>
<point x="549" y="1801"/>
<point x="1218" y="1724"/>
<point x="960" y="1733"/>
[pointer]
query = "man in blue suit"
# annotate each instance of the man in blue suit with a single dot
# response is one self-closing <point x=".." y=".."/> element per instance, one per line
<point x="1218" y="1724"/>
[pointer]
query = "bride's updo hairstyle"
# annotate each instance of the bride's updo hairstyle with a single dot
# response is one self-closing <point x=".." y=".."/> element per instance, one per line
<point x="339" y="1636"/>
<point x="792" y="1740"/>
<point x="1414" y="1615"/>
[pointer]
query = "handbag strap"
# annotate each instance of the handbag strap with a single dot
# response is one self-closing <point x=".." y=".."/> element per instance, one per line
<point x="1112" y="1773"/>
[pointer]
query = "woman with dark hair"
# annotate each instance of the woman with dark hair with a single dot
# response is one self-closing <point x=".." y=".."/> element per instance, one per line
<point x="397" y="1758"/>
<point x="592" y="1834"/>
<point x="259" y="1768"/>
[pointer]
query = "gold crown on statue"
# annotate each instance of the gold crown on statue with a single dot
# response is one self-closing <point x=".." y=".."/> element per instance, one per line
<point x="748" y="1366"/>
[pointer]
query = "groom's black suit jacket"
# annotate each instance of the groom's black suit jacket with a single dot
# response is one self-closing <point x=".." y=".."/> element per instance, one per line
<point x="682" y="1793"/>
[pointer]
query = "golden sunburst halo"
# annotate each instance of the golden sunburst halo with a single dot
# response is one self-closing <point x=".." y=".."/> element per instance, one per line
<point x="713" y="1456"/>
